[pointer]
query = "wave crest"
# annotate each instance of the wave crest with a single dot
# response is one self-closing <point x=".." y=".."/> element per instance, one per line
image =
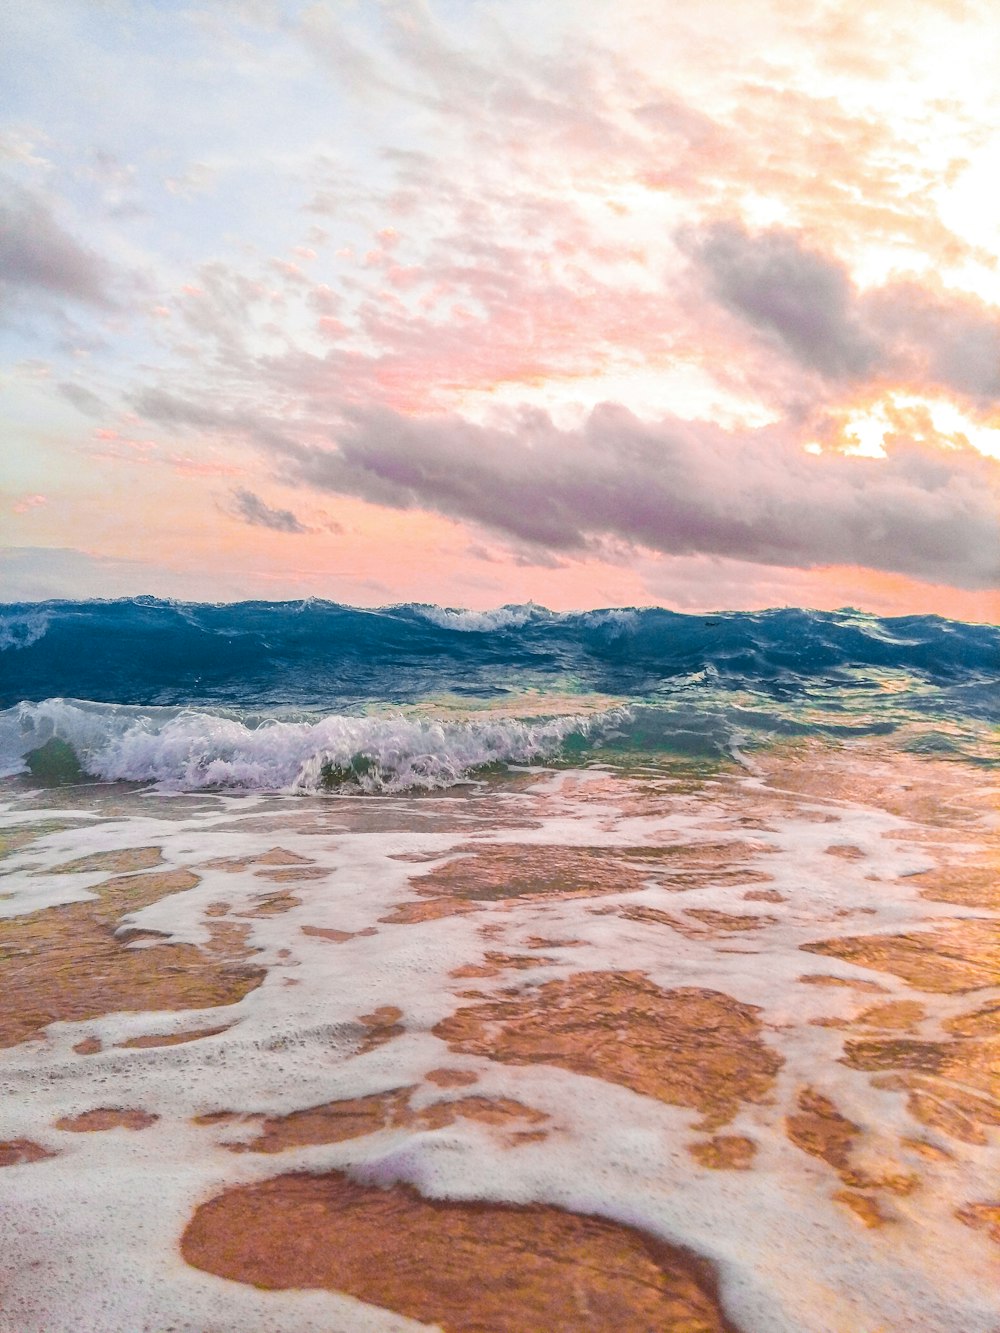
<point x="484" y="622"/>
<point x="192" y="751"/>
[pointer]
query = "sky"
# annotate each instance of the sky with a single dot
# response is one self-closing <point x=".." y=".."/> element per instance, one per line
<point x="587" y="303"/>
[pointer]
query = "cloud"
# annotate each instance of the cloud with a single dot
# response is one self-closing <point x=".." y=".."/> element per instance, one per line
<point x="805" y="303"/>
<point x="203" y="467"/>
<point x="707" y="583"/>
<point x="83" y="399"/>
<point x="532" y="179"/>
<point x="327" y="40"/>
<point x="195" y="180"/>
<point x="37" y="254"/>
<point x="802" y="299"/>
<point x="169" y="410"/>
<point x="39" y="573"/>
<point x="676" y="487"/>
<point x="252" y="509"/>
<point x="950" y="340"/>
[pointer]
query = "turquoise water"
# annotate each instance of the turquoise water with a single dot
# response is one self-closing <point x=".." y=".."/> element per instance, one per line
<point x="309" y="694"/>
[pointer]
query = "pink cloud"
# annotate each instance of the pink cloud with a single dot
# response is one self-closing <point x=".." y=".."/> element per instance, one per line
<point x="193" y="467"/>
<point x="325" y="299"/>
<point x="29" y="502"/>
<point x="538" y="201"/>
<point x="329" y="327"/>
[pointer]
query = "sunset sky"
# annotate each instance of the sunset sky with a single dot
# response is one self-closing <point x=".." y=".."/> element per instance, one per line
<point x="588" y="302"/>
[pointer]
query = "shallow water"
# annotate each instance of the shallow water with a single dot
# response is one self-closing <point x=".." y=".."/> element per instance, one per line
<point x="511" y="970"/>
<point x="751" y="1014"/>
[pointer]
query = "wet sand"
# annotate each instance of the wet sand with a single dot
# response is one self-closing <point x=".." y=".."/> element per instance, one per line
<point x="589" y="1051"/>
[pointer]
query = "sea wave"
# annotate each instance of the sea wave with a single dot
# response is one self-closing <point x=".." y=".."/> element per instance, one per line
<point x="326" y="658"/>
<point x="66" y="740"/>
<point x="484" y="622"/>
<point x="20" y="629"/>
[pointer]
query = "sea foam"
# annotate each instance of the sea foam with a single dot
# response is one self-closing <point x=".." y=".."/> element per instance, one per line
<point x="192" y="750"/>
<point x="94" y="1228"/>
<point x="20" y="629"/>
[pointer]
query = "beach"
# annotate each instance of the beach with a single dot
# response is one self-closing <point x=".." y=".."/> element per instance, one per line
<point x="500" y="667"/>
<point x="642" y="1045"/>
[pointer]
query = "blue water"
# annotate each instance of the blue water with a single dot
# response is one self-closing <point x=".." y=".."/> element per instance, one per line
<point x="267" y="693"/>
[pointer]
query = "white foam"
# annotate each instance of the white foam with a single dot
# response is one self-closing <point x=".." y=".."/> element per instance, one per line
<point x="20" y="629"/>
<point x="620" y="620"/>
<point x="102" y="1220"/>
<point x="485" y="622"/>
<point x="192" y="750"/>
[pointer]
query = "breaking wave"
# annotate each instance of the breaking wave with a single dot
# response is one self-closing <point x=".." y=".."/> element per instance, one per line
<point x="314" y="695"/>
<point x="63" y="740"/>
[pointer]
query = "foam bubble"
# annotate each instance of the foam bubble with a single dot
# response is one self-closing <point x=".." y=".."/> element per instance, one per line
<point x="20" y="629"/>
<point x="94" y="1229"/>
<point x="485" y="622"/>
<point x="619" y="620"/>
<point x="193" y="750"/>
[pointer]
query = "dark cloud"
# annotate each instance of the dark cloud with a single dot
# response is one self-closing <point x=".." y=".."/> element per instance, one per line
<point x="533" y="557"/>
<point x="790" y="293"/>
<point x="178" y="414"/>
<point x="37" y="254"/>
<point x="169" y="410"/>
<point x="950" y="340"/>
<point x="252" y="509"/>
<point x="805" y="303"/>
<point x="675" y="487"/>
<point x="83" y="400"/>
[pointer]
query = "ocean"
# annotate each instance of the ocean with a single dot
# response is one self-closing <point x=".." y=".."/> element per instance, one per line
<point x="420" y="967"/>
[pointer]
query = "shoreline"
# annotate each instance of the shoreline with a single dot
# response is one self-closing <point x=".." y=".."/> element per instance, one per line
<point x="710" y="1008"/>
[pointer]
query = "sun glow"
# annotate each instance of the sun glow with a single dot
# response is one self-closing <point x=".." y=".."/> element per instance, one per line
<point x="651" y="392"/>
<point x="914" y="417"/>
